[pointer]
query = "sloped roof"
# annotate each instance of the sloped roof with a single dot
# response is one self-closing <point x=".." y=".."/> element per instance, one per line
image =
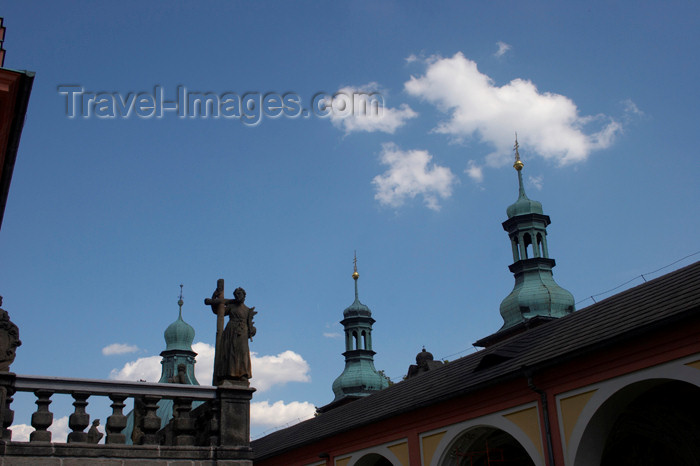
<point x="630" y="313"/>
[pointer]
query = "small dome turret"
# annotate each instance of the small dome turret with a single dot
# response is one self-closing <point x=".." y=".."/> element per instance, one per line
<point x="179" y="335"/>
<point x="535" y="293"/>
<point x="524" y="205"/>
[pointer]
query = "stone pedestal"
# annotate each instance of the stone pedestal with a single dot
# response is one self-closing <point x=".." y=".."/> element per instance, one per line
<point x="234" y="414"/>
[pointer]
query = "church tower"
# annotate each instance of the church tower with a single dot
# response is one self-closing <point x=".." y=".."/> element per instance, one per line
<point x="535" y="293"/>
<point x="359" y="378"/>
<point x="536" y="297"/>
<point x="178" y="350"/>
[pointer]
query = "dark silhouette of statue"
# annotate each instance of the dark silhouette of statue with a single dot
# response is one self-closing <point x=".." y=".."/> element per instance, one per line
<point x="9" y="340"/>
<point x="94" y="435"/>
<point x="181" y="376"/>
<point x="232" y="356"/>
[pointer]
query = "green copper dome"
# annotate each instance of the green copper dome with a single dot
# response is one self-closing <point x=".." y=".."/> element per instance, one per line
<point x="524" y="205"/>
<point x="356" y="308"/>
<point x="359" y="378"/>
<point x="535" y="293"/>
<point x="179" y="335"/>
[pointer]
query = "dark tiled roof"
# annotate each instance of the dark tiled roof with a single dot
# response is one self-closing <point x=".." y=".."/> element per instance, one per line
<point x="633" y="312"/>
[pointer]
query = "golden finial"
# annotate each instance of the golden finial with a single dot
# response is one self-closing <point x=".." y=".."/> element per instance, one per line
<point x="355" y="275"/>
<point x="518" y="165"/>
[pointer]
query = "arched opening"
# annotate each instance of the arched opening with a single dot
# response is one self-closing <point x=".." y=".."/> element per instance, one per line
<point x="647" y="423"/>
<point x="364" y="340"/>
<point x="540" y="246"/>
<point x="516" y="248"/>
<point x="373" y="459"/>
<point x="357" y="341"/>
<point x="527" y="241"/>
<point x="483" y="446"/>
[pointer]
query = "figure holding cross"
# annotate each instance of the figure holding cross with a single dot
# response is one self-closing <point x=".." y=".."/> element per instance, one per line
<point x="232" y="356"/>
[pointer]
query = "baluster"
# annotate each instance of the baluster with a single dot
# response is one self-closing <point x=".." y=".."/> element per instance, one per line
<point x="151" y="421"/>
<point x="79" y="420"/>
<point x="212" y="423"/>
<point x="117" y="421"/>
<point x="7" y="415"/>
<point x="42" y="418"/>
<point x="183" y="424"/>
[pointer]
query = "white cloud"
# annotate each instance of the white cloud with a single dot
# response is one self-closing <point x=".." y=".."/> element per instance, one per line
<point x="204" y="368"/>
<point x="287" y="366"/>
<point x="410" y="175"/>
<point x="363" y="109"/>
<point x="279" y="414"/>
<point x="268" y="371"/>
<point x="536" y="181"/>
<point x="502" y="49"/>
<point x="148" y="369"/>
<point x="59" y="431"/>
<point x="546" y="122"/>
<point x="119" y="348"/>
<point x="332" y="334"/>
<point x="20" y="432"/>
<point x="475" y="171"/>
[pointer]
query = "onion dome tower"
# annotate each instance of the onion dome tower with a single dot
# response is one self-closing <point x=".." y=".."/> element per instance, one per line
<point x="536" y="298"/>
<point x="177" y="354"/>
<point x="535" y="293"/>
<point x="359" y="378"/>
<point x="178" y="350"/>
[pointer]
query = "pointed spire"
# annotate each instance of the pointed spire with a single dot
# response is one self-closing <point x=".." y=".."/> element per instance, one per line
<point x="180" y="302"/>
<point x="355" y="275"/>
<point x="518" y="165"/>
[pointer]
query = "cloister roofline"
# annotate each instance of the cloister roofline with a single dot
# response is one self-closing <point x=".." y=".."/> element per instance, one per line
<point x="671" y="298"/>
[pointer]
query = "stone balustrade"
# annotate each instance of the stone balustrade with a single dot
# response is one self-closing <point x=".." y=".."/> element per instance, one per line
<point x="218" y="430"/>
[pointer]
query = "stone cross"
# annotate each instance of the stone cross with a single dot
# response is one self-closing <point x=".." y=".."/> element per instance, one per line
<point x="219" y="302"/>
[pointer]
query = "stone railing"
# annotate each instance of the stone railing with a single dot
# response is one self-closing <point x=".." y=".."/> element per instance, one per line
<point x="217" y="431"/>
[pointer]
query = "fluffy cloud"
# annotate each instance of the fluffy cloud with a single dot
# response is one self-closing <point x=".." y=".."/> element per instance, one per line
<point x="332" y="334"/>
<point x="410" y="174"/>
<point x="20" y="432"/>
<point x="548" y="123"/>
<point x="147" y="369"/>
<point x="362" y="109"/>
<point x="502" y="49"/>
<point x="268" y="371"/>
<point x="278" y="370"/>
<point x="59" y="431"/>
<point x="119" y="348"/>
<point x="279" y="414"/>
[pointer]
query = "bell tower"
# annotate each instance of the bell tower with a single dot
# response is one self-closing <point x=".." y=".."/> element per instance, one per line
<point x="536" y="297"/>
<point x="535" y="293"/>
<point x="359" y="378"/>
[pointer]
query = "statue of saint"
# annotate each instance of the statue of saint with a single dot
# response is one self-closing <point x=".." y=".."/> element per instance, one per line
<point x="232" y="357"/>
<point x="9" y="340"/>
<point x="94" y="435"/>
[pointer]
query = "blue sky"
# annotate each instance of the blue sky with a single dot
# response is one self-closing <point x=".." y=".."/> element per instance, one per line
<point x="107" y="216"/>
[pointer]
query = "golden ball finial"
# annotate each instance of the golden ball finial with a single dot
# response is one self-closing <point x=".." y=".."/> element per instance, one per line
<point x="355" y="275"/>
<point x="518" y="165"/>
